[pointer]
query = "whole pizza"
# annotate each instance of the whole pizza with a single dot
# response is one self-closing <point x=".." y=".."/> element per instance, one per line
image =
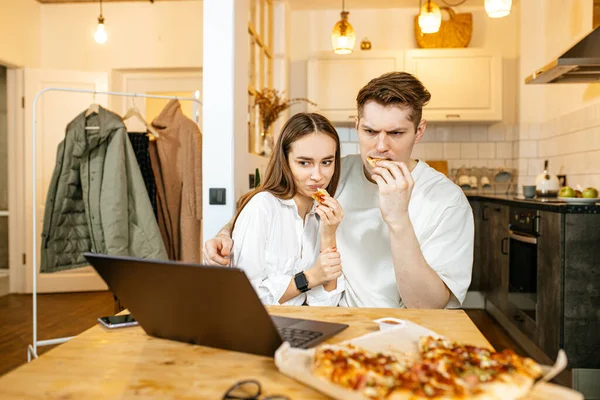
<point x="443" y="370"/>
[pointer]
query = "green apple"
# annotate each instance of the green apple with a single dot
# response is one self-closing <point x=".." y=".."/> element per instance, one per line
<point x="566" y="191"/>
<point x="590" y="193"/>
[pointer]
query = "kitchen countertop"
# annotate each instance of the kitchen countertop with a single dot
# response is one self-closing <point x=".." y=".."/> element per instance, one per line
<point x="550" y="204"/>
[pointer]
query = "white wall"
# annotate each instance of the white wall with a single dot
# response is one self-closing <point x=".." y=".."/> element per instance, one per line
<point x="560" y="122"/>
<point x="20" y="33"/>
<point x="165" y="34"/>
<point x="470" y="145"/>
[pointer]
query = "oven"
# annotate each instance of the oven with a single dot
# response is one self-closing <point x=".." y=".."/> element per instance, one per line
<point x="523" y="263"/>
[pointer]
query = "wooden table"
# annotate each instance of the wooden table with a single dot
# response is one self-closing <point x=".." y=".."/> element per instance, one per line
<point x="126" y="363"/>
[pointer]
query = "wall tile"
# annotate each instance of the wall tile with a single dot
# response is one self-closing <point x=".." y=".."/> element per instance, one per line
<point x="496" y="133"/>
<point x="496" y="163"/>
<point x="594" y="138"/>
<point x="451" y="150"/>
<point x="428" y="136"/>
<point x="581" y="140"/>
<point x="443" y="133"/>
<point x="523" y="130"/>
<point x="343" y="133"/>
<point x="468" y="150"/>
<point x="419" y="151"/>
<point x="534" y="131"/>
<point x="349" y="148"/>
<point x="486" y="150"/>
<point x="523" y="166"/>
<point x="535" y="167"/>
<point x="511" y="133"/>
<point x="591" y="162"/>
<point x="515" y="149"/>
<point x="592" y="119"/>
<point x="479" y="133"/>
<point x="353" y="135"/>
<point x="461" y="133"/>
<point x="504" y="150"/>
<point x="435" y="151"/>
<point x="527" y="148"/>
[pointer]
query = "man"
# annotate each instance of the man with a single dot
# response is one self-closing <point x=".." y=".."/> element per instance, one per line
<point x="407" y="235"/>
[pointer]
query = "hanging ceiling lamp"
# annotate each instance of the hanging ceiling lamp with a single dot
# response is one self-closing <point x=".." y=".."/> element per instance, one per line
<point x="430" y="17"/>
<point x="343" y="36"/>
<point x="497" y="8"/>
<point x="100" y="35"/>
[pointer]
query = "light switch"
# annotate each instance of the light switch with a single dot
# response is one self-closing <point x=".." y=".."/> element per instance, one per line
<point x="216" y="196"/>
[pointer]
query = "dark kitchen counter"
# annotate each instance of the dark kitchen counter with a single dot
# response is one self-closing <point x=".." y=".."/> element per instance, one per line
<point x="550" y="204"/>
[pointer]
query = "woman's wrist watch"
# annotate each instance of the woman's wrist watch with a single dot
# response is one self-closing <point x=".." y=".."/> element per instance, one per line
<point x="301" y="282"/>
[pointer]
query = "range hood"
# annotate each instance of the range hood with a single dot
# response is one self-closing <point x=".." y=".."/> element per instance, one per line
<point x="579" y="64"/>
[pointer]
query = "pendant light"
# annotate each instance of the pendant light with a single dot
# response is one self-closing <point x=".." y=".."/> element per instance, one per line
<point x="100" y="35"/>
<point x="343" y="36"/>
<point x="497" y="8"/>
<point x="430" y="17"/>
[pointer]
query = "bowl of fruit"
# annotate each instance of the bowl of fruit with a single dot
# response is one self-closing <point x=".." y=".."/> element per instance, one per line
<point x="585" y="196"/>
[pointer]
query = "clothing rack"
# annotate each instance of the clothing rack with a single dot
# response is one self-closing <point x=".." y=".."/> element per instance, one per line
<point x="32" y="348"/>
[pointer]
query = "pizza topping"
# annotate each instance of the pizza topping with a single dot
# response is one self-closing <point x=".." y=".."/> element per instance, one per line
<point x="320" y="195"/>
<point x="444" y="369"/>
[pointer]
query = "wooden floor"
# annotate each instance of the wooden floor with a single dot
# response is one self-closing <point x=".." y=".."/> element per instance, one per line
<point x="61" y="315"/>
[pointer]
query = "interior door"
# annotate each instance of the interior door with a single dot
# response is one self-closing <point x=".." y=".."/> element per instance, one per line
<point x="54" y="111"/>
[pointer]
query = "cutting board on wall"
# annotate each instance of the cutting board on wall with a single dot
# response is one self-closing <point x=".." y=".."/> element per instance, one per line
<point x="439" y="165"/>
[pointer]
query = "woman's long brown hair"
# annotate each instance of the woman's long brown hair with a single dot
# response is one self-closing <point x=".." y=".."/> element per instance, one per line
<point x="278" y="179"/>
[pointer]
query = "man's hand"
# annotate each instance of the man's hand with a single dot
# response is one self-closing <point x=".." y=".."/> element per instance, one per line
<point x="217" y="250"/>
<point x="395" y="188"/>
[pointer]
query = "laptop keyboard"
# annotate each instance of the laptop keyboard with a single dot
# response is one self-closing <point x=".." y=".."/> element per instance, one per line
<point x="298" y="337"/>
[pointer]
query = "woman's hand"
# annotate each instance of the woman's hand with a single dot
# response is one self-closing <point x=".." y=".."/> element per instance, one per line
<point x="327" y="268"/>
<point x="331" y="214"/>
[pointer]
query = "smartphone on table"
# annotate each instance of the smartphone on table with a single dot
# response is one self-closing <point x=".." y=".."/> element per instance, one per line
<point x="118" y="321"/>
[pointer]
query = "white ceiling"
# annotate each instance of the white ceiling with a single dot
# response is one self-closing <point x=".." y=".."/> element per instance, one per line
<point x="356" y="4"/>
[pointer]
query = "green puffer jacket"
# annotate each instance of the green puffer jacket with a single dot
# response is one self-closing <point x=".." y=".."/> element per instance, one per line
<point x="97" y="200"/>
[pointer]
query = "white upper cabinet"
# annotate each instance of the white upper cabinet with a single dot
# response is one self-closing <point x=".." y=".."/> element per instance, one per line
<point x="465" y="84"/>
<point x="334" y="80"/>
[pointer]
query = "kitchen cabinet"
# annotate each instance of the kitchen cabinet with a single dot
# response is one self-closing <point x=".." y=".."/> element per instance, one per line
<point x="334" y="81"/>
<point x="476" y="274"/>
<point x="465" y="84"/>
<point x="549" y="283"/>
<point x="494" y="247"/>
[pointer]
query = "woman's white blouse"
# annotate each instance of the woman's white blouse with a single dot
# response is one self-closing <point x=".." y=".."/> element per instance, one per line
<point x="271" y="244"/>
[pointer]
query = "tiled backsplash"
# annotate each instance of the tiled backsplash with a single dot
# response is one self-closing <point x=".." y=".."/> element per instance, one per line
<point x="468" y="145"/>
<point x="571" y="144"/>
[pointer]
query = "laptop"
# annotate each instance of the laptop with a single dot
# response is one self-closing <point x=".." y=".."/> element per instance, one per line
<point x="204" y="305"/>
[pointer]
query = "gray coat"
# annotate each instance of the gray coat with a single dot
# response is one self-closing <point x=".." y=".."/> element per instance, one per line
<point x="97" y="200"/>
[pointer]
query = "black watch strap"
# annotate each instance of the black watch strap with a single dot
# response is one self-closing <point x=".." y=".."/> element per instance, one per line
<point x="301" y="282"/>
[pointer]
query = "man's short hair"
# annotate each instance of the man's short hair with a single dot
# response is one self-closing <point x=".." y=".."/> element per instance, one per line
<point x="395" y="89"/>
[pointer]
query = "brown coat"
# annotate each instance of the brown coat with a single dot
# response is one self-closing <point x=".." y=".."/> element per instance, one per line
<point x="177" y="165"/>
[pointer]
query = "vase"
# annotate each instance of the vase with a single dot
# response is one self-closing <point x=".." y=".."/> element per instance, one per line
<point x="267" y="145"/>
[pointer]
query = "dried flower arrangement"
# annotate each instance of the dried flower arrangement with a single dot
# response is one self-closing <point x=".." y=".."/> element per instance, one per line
<point x="271" y="103"/>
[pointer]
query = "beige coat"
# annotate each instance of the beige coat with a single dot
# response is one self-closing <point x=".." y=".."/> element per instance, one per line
<point x="177" y="165"/>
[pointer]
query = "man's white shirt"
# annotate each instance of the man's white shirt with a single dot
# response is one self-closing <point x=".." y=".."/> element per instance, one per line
<point x="443" y="223"/>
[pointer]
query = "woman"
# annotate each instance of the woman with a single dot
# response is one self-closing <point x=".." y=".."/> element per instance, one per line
<point x="287" y="253"/>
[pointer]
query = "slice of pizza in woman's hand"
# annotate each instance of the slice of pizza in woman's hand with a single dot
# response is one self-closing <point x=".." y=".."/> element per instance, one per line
<point x="320" y="195"/>
<point x="444" y="370"/>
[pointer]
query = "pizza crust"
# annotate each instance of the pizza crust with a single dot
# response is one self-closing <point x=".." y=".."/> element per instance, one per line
<point x="373" y="161"/>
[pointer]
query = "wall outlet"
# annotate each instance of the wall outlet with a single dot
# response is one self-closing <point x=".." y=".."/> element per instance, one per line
<point x="216" y="196"/>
